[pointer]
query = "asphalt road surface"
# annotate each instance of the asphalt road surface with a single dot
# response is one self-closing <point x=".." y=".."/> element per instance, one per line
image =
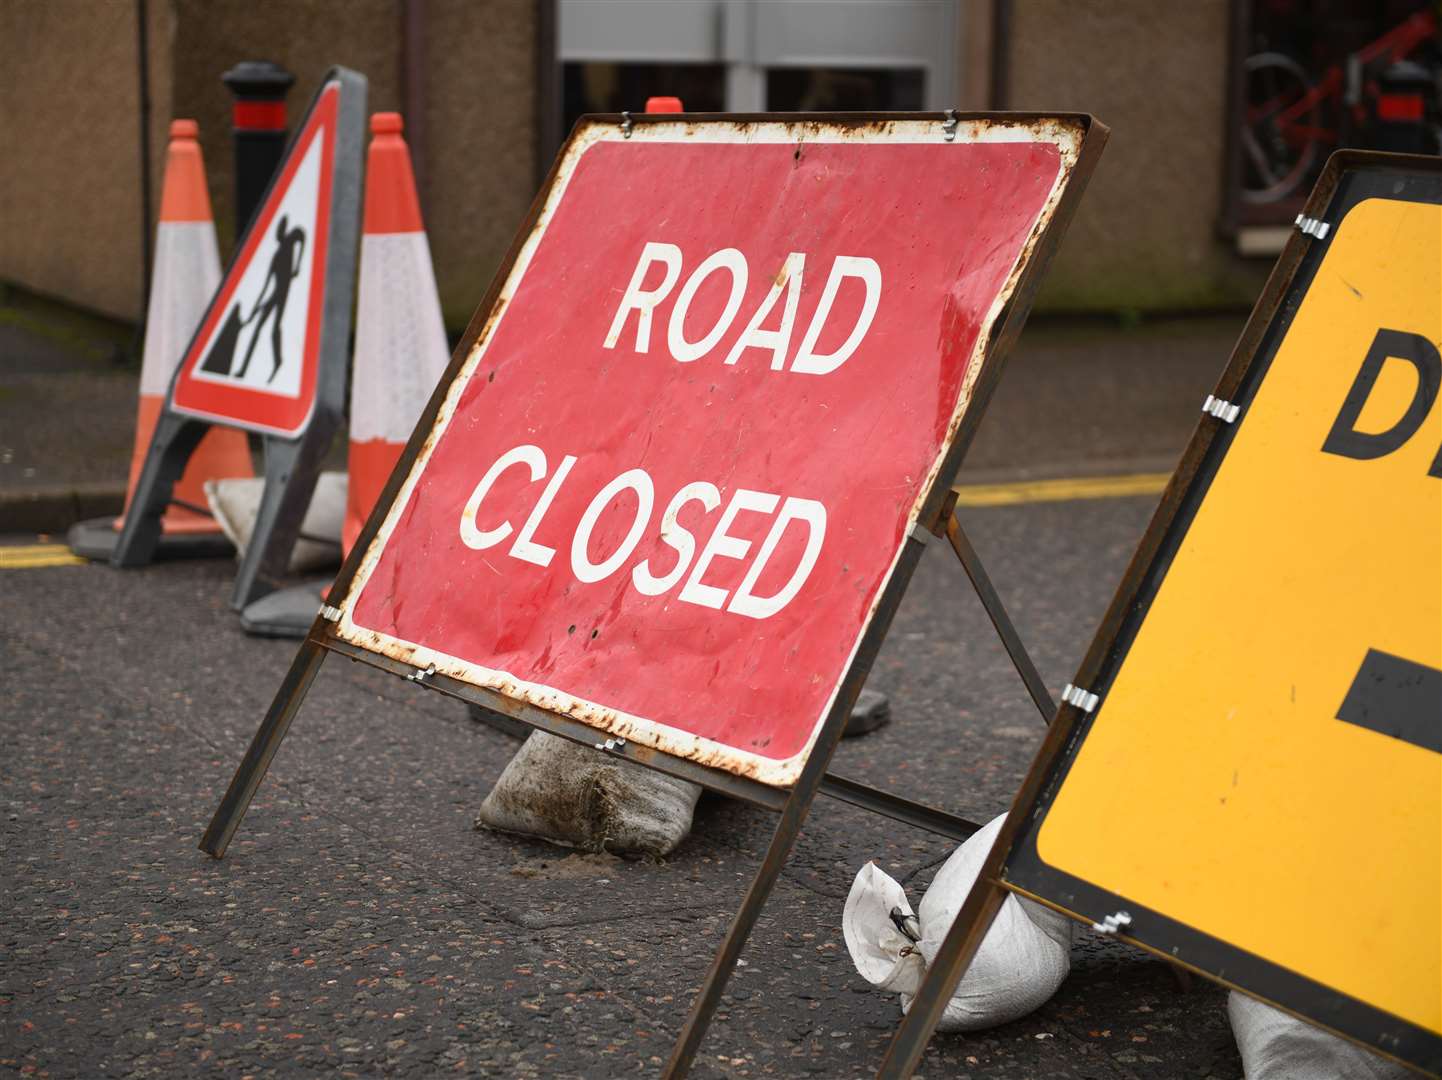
<point x="361" y="926"/>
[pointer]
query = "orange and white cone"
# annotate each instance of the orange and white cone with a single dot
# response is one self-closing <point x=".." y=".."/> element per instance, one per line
<point x="400" y="355"/>
<point x="186" y="275"/>
<point x="400" y="341"/>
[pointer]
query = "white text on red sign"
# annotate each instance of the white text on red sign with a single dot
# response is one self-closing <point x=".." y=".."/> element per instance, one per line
<point x="807" y="361"/>
<point x="646" y="578"/>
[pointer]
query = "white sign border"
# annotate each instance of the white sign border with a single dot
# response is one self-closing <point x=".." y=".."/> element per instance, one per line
<point x="1065" y="135"/>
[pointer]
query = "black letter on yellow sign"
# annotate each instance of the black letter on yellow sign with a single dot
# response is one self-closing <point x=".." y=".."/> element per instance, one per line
<point x="1344" y="439"/>
<point x="1397" y="697"/>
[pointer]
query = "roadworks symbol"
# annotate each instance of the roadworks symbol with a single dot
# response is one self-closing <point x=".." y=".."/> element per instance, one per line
<point x="260" y="341"/>
<point x="287" y="256"/>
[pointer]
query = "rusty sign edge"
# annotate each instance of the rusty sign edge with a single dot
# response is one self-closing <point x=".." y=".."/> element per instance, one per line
<point x="1067" y="132"/>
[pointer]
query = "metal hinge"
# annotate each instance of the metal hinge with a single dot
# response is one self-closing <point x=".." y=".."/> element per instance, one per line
<point x="949" y="125"/>
<point x="1112" y="923"/>
<point x="611" y="744"/>
<point x="1224" y="411"/>
<point x="1311" y="226"/>
<point x="625" y="125"/>
<point x="329" y="614"/>
<point x="420" y="676"/>
<point x="1084" y="700"/>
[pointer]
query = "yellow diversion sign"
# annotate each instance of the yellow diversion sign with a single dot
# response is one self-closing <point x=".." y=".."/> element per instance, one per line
<point x="1258" y="782"/>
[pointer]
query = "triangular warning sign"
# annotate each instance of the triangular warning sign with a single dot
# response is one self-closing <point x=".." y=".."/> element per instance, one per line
<point x="270" y="354"/>
<point x="254" y="361"/>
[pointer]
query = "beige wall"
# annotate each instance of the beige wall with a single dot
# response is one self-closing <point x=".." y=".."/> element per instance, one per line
<point x="69" y="175"/>
<point x="481" y="172"/>
<point x="69" y="151"/>
<point x="69" y="179"/>
<point x="1145" y="234"/>
<point x="304" y="36"/>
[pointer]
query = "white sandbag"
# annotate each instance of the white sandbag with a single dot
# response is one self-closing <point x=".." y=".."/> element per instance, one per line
<point x="576" y="796"/>
<point x="1021" y="962"/>
<point x="235" y="502"/>
<point x="1276" y="1046"/>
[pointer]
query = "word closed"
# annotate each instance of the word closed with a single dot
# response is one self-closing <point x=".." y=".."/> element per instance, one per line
<point x="645" y="578"/>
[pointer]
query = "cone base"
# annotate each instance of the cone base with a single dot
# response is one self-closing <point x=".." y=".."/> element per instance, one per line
<point x="287" y="613"/>
<point x="871" y="711"/>
<point x="223" y="452"/>
<point x="95" y="539"/>
<point x="178" y="521"/>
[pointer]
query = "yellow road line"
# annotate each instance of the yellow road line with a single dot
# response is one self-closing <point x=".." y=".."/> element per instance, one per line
<point x="1079" y="487"/>
<point x="31" y="556"/>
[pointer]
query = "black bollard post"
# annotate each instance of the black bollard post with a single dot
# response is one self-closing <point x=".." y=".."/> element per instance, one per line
<point x="258" y="122"/>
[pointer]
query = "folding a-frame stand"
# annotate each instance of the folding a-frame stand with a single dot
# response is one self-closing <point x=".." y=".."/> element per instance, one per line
<point x="936" y="516"/>
<point x="294" y="446"/>
<point x="1360" y="230"/>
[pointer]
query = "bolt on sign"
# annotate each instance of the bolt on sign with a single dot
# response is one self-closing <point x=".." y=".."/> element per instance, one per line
<point x="718" y="387"/>
<point x="670" y="492"/>
<point x="1248" y="779"/>
<point x="269" y="355"/>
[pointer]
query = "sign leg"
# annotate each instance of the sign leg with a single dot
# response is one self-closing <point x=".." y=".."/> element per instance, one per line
<point x="962" y="940"/>
<point x="793" y="814"/>
<point x="746" y="916"/>
<point x="175" y="439"/>
<point x="787" y="829"/>
<point x="996" y="611"/>
<point x="291" y="472"/>
<point x="267" y="740"/>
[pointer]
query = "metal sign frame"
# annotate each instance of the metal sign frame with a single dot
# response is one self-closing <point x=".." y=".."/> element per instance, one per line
<point x="1014" y="865"/>
<point x="936" y="516"/>
<point x="292" y="461"/>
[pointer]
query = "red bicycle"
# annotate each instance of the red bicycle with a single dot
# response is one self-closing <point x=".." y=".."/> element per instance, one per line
<point x="1291" y="119"/>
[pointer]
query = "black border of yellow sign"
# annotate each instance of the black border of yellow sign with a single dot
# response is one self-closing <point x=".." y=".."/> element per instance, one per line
<point x="1349" y="179"/>
<point x="1014" y="863"/>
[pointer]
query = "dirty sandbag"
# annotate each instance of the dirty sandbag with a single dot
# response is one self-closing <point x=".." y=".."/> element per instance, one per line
<point x="1276" y="1046"/>
<point x="1021" y="962"/>
<point x="579" y="797"/>
<point x="235" y="502"/>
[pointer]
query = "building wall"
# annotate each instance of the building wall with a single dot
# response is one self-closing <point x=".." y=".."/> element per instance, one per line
<point x="1145" y="236"/>
<point x="481" y="115"/>
<point x="69" y="172"/>
<point x="306" y="37"/>
<point x="70" y="216"/>
<point x="475" y="79"/>
<point x="71" y="212"/>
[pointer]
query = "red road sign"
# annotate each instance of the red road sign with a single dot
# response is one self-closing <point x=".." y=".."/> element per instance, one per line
<point x="676" y="471"/>
<point x="254" y="363"/>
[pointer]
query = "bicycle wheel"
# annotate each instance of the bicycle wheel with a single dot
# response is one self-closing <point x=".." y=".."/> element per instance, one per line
<point x="1278" y="149"/>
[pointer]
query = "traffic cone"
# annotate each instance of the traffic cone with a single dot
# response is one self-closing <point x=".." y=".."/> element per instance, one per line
<point x="400" y="355"/>
<point x="185" y="276"/>
<point x="400" y="341"/>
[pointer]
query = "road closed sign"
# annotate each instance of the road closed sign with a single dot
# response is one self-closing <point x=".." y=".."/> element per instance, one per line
<point x="1259" y="783"/>
<point x="674" y="474"/>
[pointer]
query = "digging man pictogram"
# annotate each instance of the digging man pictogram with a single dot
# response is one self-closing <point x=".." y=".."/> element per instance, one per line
<point x="284" y="267"/>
